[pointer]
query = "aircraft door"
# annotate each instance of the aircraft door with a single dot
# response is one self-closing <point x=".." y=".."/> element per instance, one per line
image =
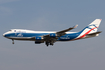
<point x="15" y="32"/>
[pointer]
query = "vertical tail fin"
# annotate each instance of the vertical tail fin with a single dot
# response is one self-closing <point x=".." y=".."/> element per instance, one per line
<point x="96" y="22"/>
<point x="92" y="27"/>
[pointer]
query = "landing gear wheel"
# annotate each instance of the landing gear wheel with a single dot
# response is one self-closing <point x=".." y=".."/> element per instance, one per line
<point x="51" y="44"/>
<point x="47" y="43"/>
<point x="12" y="41"/>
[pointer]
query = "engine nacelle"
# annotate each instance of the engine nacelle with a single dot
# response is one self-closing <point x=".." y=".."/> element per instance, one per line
<point x="53" y="35"/>
<point x="38" y="38"/>
<point x="38" y="42"/>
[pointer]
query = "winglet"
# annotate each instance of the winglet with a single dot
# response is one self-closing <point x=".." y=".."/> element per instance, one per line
<point x="75" y="26"/>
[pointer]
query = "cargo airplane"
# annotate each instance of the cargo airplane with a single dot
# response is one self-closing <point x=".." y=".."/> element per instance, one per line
<point x="50" y="37"/>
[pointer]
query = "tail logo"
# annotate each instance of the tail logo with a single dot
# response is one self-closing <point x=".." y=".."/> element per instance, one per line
<point x="89" y="26"/>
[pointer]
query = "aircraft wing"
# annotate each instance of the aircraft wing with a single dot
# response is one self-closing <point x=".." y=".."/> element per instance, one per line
<point x="61" y="33"/>
<point x="52" y="37"/>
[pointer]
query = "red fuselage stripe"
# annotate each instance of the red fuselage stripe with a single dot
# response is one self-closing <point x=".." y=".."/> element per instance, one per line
<point x="86" y="33"/>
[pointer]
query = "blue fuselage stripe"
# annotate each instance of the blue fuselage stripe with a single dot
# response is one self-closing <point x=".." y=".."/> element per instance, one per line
<point x="66" y="37"/>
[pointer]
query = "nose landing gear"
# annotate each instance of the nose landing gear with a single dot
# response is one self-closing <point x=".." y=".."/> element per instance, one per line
<point x="12" y="41"/>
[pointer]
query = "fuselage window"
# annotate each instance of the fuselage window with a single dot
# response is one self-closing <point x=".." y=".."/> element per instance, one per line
<point x="14" y="30"/>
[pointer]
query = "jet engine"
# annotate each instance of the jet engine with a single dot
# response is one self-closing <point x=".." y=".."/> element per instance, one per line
<point x="53" y="35"/>
<point x="39" y="42"/>
<point x="38" y="38"/>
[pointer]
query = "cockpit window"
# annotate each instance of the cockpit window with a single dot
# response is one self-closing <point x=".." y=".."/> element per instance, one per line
<point x="10" y="30"/>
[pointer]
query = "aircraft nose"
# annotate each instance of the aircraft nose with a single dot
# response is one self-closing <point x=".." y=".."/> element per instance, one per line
<point x="4" y="35"/>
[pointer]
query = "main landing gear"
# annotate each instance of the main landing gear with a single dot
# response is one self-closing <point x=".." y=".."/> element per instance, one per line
<point x="49" y="43"/>
<point x="12" y="41"/>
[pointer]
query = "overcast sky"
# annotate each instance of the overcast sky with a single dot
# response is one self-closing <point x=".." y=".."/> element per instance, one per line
<point x="52" y="15"/>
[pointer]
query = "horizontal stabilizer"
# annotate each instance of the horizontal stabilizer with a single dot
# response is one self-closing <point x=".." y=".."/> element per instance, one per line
<point x="94" y="33"/>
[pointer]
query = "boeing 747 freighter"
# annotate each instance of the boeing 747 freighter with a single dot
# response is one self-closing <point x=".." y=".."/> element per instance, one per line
<point x="50" y="37"/>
